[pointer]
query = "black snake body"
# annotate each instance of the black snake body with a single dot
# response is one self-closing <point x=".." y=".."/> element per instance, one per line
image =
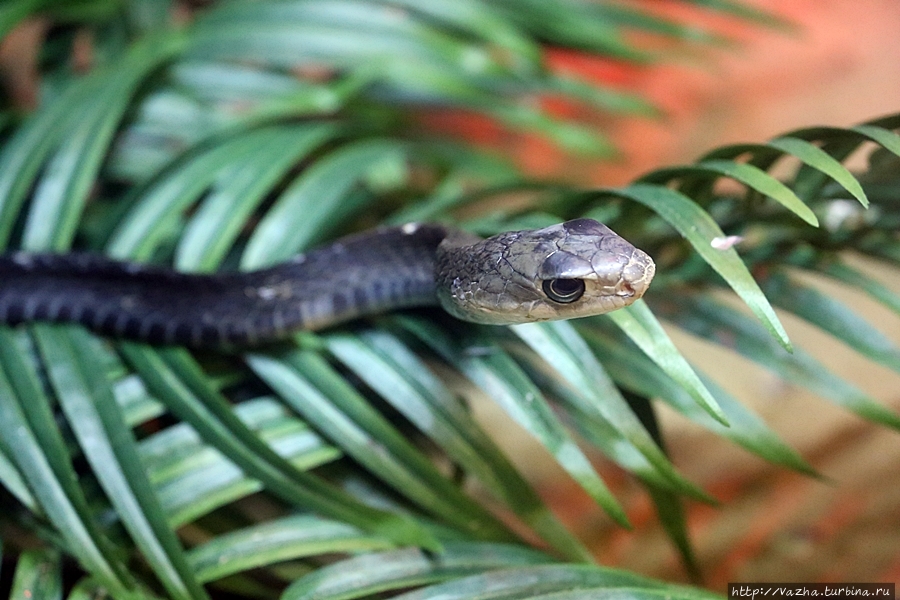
<point x="384" y="269"/>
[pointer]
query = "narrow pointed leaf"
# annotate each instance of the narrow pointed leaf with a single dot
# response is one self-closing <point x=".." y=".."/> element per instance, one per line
<point x="750" y="175"/>
<point x="12" y="481"/>
<point x="695" y="225"/>
<point x="232" y="438"/>
<point x="366" y="575"/>
<point x="275" y="541"/>
<point x="63" y="189"/>
<point x="33" y="442"/>
<point x="307" y="383"/>
<point x="317" y="200"/>
<point x="813" y="156"/>
<point x="178" y="450"/>
<point x="885" y="138"/>
<point x="109" y="447"/>
<point x="572" y="25"/>
<point x="636" y="372"/>
<point x="673" y="517"/>
<point x="498" y="375"/>
<point x="627" y="593"/>
<point x="639" y="324"/>
<point x="25" y="152"/>
<point x="594" y="429"/>
<point x="834" y="317"/>
<point x="158" y="210"/>
<point x="193" y="479"/>
<point x="722" y="324"/>
<point x="419" y="397"/>
<point x="504" y="381"/>
<point x="239" y="190"/>
<point x="537" y="581"/>
<point x="136" y="404"/>
<point x="367" y="37"/>
<point x="560" y="345"/>
<point x="763" y="183"/>
<point x="403" y="380"/>
<point x="840" y="144"/>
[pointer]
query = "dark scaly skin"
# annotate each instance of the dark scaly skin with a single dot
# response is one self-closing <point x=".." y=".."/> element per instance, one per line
<point x="488" y="281"/>
<point x="363" y="274"/>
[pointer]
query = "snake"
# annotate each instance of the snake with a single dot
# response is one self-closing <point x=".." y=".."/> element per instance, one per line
<point x="573" y="269"/>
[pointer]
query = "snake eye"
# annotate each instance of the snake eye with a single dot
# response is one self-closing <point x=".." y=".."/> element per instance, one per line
<point x="564" y="291"/>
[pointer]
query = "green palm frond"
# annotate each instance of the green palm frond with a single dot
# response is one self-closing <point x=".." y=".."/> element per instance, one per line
<point x="261" y="128"/>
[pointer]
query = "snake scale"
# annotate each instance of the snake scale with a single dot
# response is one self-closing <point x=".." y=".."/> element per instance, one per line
<point x="577" y="268"/>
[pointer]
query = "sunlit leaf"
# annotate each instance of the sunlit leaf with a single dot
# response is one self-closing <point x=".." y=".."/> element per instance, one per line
<point x="558" y="343"/>
<point x="497" y="374"/>
<point x="547" y="581"/>
<point x="404" y="381"/>
<point x="311" y="206"/>
<point x="38" y="575"/>
<point x="636" y="372"/>
<point x="309" y="385"/>
<point x="109" y="446"/>
<point x="32" y="440"/>
<point x="225" y="432"/>
<point x="239" y="190"/>
<point x="193" y="479"/>
<point x="368" y="574"/>
<point x="817" y="158"/>
<point x="278" y="540"/>
<point x="63" y="188"/>
<point x="12" y="481"/>
<point x="639" y="324"/>
<point x="751" y="176"/>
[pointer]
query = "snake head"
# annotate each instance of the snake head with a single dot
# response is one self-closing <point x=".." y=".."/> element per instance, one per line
<point x="575" y="269"/>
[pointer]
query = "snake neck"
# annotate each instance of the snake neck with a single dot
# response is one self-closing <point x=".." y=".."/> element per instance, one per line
<point x="368" y="273"/>
<point x="372" y="272"/>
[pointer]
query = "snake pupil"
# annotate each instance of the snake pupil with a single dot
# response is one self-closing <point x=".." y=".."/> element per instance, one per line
<point x="564" y="291"/>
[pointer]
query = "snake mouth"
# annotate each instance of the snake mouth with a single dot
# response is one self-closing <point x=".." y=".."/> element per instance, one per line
<point x="636" y="276"/>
